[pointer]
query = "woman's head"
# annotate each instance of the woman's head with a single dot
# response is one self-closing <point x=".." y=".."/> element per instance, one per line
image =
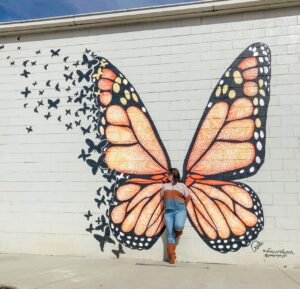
<point x="173" y="175"/>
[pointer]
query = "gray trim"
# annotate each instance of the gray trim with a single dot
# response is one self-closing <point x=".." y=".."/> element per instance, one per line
<point x="147" y="14"/>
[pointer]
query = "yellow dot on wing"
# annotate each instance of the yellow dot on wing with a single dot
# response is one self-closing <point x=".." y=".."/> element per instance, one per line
<point x="262" y="92"/>
<point x="227" y="73"/>
<point x="218" y="91"/>
<point x="261" y="83"/>
<point x="103" y="120"/>
<point x="237" y="77"/>
<point x="118" y="80"/>
<point x="123" y="100"/>
<point x="116" y="87"/>
<point x="96" y="76"/>
<point x="125" y="81"/>
<point x="232" y="94"/>
<point x="258" y="122"/>
<point x="101" y="130"/>
<point x="255" y="101"/>
<point x="255" y="112"/>
<point x="135" y="97"/>
<point x="127" y="94"/>
<point x="225" y="89"/>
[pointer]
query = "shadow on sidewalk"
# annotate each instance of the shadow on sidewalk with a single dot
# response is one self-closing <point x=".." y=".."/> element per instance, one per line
<point x="6" y="287"/>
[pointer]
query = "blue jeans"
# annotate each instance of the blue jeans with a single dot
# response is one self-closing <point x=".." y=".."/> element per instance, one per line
<point x="174" y="220"/>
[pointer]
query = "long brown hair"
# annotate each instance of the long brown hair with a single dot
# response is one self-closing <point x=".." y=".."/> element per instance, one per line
<point x="176" y="175"/>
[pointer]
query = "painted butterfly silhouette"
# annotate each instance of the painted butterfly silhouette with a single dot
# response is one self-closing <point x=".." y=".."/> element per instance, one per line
<point x="228" y="144"/>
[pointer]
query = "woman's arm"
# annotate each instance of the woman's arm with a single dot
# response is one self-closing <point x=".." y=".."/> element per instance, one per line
<point x="188" y="196"/>
<point x="162" y="191"/>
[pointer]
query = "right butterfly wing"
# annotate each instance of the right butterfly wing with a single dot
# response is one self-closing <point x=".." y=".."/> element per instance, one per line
<point x="229" y="142"/>
<point x="133" y="149"/>
<point x="226" y="215"/>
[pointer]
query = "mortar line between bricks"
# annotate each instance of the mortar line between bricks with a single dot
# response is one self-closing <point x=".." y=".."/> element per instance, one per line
<point x="290" y="277"/>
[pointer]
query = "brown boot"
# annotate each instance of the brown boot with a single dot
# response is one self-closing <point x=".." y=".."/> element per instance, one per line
<point x="172" y="254"/>
<point x="177" y="233"/>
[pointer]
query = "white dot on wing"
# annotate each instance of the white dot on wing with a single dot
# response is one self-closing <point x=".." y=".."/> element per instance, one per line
<point x="259" y="145"/>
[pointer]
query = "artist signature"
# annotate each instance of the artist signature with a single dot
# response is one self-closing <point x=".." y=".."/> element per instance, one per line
<point x="255" y="245"/>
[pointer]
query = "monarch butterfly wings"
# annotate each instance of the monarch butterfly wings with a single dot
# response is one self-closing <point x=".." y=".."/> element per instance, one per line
<point x="229" y="144"/>
<point x="134" y="151"/>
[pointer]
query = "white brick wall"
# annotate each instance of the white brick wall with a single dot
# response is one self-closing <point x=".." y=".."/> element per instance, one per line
<point x="174" y="65"/>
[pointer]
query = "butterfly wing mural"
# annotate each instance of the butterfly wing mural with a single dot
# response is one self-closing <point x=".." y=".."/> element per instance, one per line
<point x="135" y="150"/>
<point x="229" y="144"/>
<point x="123" y="145"/>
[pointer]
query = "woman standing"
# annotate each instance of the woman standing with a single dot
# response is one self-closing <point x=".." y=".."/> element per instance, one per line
<point x="175" y="195"/>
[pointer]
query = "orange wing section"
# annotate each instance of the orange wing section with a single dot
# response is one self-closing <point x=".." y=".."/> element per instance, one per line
<point x="134" y="148"/>
<point x="226" y="216"/>
<point x="137" y="219"/>
<point x="229" y="142"/>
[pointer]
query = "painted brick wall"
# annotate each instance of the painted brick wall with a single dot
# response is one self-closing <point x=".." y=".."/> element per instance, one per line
<point x="174" y="65"/>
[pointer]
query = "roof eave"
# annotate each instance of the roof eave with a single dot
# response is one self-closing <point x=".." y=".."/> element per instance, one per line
<point x="147" y="14"/>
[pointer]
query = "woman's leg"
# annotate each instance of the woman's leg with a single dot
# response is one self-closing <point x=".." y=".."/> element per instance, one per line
<point x="169" y="222"/>
<point x="180" y="217"/>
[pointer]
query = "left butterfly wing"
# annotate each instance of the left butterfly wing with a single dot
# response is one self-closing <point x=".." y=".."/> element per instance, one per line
<point x="134" y="150"/>
<point x="137" y="216"/>
<point x="226" y="215"/>
<point x="229" y="142"/>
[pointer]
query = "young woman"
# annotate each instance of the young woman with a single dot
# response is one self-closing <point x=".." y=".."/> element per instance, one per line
<point x="175" y="195"/>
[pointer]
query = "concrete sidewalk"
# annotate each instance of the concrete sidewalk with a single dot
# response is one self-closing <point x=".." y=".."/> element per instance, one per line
<point x="60" y="272"/>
